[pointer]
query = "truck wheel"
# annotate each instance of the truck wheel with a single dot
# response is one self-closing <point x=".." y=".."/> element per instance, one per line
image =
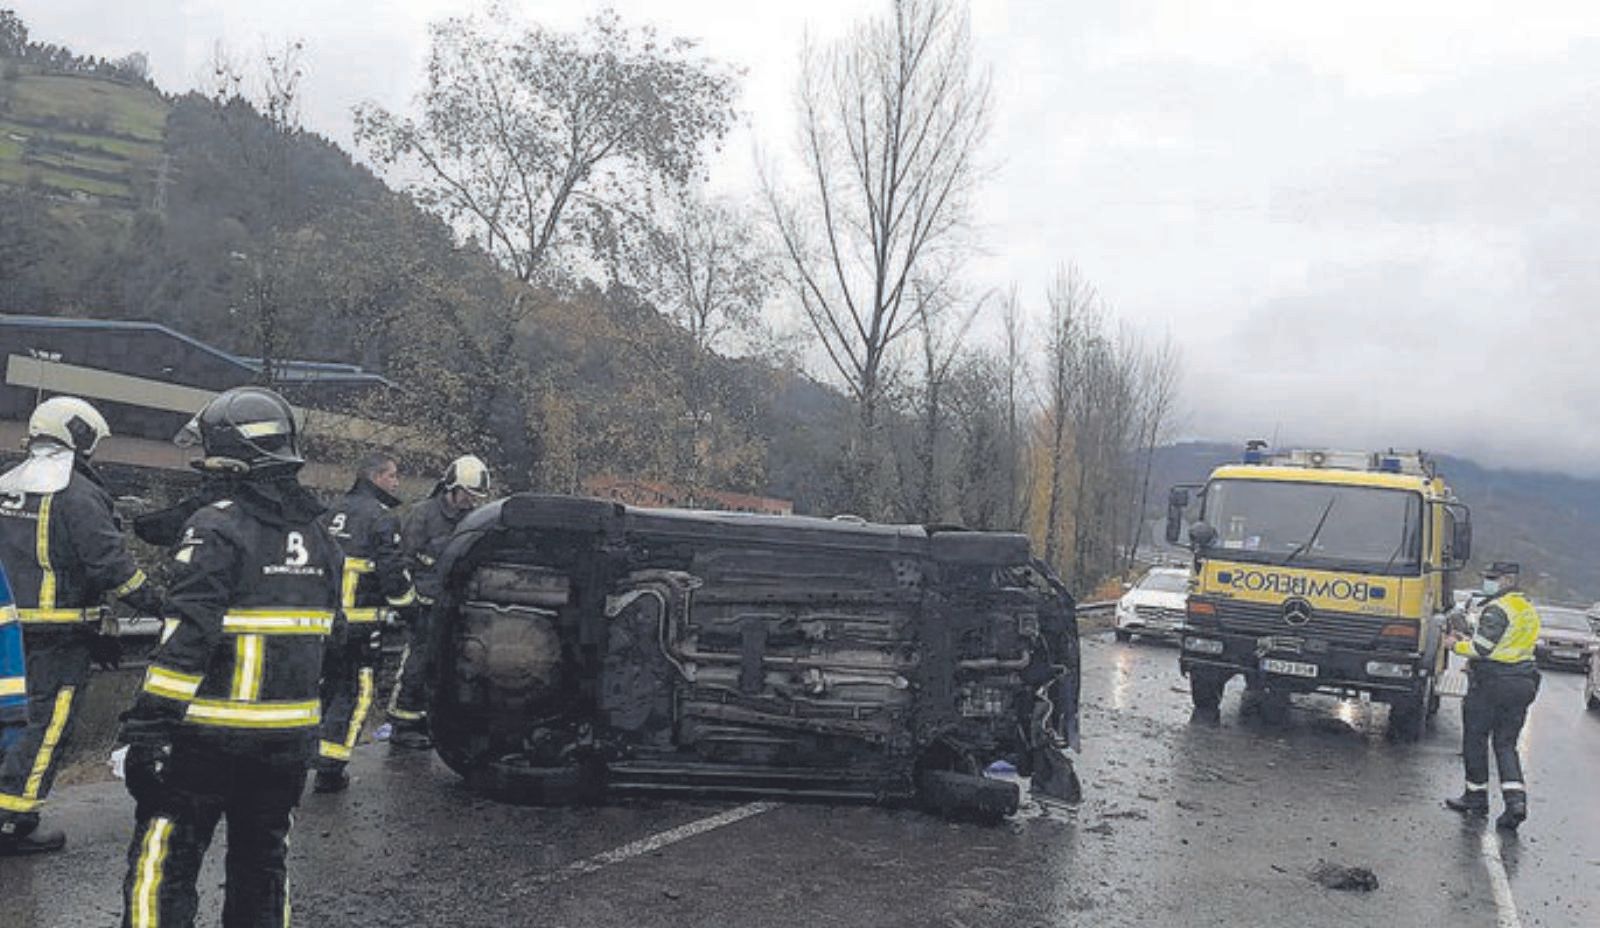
<point x="1205" y="688"/>
<point x="1124" y="636"/>
<point x="1408" y="715"/>
<point x="1274" y="706"/>
<point x="1594" y="702"/>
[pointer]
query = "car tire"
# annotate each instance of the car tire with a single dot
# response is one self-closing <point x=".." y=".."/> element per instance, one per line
<point x="1124" y="636"/>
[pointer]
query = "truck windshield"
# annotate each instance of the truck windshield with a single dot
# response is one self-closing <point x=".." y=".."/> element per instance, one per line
<point x="1370" y="529"/>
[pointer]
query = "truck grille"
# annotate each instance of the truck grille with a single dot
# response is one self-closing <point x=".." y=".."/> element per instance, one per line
<point x="1267" y="619"/>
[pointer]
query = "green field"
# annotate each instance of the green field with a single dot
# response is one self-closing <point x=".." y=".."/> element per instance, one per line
<point x="76" y="134"/>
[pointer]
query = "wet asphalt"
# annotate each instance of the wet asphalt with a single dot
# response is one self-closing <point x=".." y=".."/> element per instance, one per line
<point x="1183" y="824"/>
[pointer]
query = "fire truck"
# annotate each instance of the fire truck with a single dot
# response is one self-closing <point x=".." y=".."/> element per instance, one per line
<point x="1321" y="571"/>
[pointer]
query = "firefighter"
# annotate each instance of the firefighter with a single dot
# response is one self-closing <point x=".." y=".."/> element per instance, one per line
<point x="227" y="719"/>
<point x="428" y="525"/>
<point x="63" y="551"/>
<point x="1502" y="682"/>
<point x="375" y="579"/>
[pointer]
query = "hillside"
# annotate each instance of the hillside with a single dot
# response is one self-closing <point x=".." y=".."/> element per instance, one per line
<point x="1550" y="523"/>
<point x="79" y="136"/>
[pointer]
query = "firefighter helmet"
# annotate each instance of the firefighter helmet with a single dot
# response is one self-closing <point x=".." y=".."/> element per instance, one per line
<point x="467" y="472"/>
<point x="70" y="421"/>
<point x="245" y="430"/>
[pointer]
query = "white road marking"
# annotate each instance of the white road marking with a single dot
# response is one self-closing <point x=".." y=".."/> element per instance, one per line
<point x="1499" y="883"/>
<point x="654" y="842"/>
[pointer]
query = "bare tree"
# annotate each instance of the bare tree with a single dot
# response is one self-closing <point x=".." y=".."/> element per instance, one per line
<point x="891" y="123"/>
<point x="942" y="326"/>
<point x="1016" y="370"/>
<point x="531" y="141"/>
<point x="1160" y="376"/>
<point x="705" y="266"/>
<point x="1071" y="299"/>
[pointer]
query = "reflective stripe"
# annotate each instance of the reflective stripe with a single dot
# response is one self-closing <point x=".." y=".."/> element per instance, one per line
<point x="1513" y="784"/>
<point x="13" y="686"/>
<point x="404" y="599"/>
<point x="225" y="713"/>
<point x="262" y="429"/>
<point x="170" y="683"/>
<point x="358" y="616"/>
<point x="333" y="751"/>
<point x="9" y="803"/>
<point x="8" y="614"/>
<point x="248" y="656"/>
<point x="1483" y="645"/>
<point x="52" y="616"/>
<point x="41" y="552"/>
<point x="359" y="565"/>
<point x="278" y="622"/>
<point x="358" y="718"/>
<point x="1477" y="787"/>
<point x="169" y="627"/>
<point x="144" y="909"/>
<point x="52" y="737"/>
<point x="133" y="583"/>
<point x="395" y="712"/>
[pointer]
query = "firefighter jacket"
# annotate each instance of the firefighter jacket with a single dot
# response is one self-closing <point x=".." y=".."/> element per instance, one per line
<point x="428" y="526"/>
<point x="252" y="605"/>
<point x="63" y="551"/>
<point x="1508" y="629"/>
<point x="364" y="524"/>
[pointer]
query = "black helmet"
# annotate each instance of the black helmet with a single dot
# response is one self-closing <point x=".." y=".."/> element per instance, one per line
<point x="246" y="430"/>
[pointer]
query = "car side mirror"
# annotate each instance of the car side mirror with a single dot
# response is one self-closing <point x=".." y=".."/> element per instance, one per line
<point x="1202" y="535"/>
<point x="1177" y="502"/>
<point x="1126" y="586"/>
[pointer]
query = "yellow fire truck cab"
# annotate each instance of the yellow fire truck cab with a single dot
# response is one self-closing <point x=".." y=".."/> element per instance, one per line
<point x="1321" y="571"/>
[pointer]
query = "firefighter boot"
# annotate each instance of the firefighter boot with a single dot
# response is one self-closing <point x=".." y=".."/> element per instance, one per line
<point x="31" y="840"/>
<point x="331" y="779"/>
<point x="1516" y="810"/>
<point x="1472" y="801"/>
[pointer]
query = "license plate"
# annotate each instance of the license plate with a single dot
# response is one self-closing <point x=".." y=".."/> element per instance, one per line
<point x="1289" y="668"/>
<point x="1566" y="654"/>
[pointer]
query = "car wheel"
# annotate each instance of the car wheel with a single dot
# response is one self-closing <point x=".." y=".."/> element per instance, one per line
<point x="1123" y="635"/>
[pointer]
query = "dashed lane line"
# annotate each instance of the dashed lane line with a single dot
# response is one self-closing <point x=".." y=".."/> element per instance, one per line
<point x="1505" y="904"/>
<point x="653" y="843"/>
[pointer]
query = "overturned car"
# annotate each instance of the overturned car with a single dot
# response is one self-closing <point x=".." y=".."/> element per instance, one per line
<point x="586" y="648"/>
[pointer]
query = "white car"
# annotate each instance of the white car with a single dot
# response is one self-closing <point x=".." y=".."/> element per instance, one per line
<point x="1156" y="605"/>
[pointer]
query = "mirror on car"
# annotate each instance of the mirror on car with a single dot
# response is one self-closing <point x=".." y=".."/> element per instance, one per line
<point x="1202" y="535"/>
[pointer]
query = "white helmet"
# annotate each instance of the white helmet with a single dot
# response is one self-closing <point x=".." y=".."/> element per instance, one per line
<point x="70" y="421"/>
<point x="467" y="472"/>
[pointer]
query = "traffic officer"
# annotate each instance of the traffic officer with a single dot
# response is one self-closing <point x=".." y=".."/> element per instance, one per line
<point x="63" y="551"/>
<point x="227" y="718"/>
<point x="427" y="527"/>
<point x="375" y="578"/>
<point x="1502" y="682"/>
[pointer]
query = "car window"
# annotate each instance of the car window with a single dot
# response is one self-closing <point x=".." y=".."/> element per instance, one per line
<point x="1566" y="619"/>
<point x="1165" y="583"/>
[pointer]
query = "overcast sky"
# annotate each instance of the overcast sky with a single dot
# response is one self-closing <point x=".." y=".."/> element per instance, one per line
<point x="1370" y="222"/>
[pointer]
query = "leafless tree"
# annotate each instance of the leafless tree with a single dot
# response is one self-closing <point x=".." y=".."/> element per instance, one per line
<point x="531" y="141"/>
<point x="1160" y="377"/>
<point x="1071" y="300"/>
<point x="942" y="324"/>
<point x="891" y="124"/>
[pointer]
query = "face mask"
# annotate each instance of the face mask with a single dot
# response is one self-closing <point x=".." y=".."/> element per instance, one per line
<point x="1491" y="587"/>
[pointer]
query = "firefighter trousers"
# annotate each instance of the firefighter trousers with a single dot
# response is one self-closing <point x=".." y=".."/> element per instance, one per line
<point x="58" y="666"/>
<point x="408" y="703"/>
<point x="173" y="826"/>
<point x="1495" y="707"/>
<point x="349" y="681"/>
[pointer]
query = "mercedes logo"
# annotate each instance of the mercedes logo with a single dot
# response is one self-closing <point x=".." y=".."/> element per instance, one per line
<point x="1296" y="612"/>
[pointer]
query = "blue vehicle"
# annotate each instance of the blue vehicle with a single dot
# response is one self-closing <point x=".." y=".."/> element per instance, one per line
<point x="13" y="669"/>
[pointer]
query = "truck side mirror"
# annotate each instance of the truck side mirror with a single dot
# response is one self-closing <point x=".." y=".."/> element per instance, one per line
<point x="1461" y="542"/>
<point x="1177" y="502"/>
<point x="1202" y="535"/>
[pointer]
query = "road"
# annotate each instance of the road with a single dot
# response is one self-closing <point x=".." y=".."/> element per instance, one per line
<point x="1183" y="824"/>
